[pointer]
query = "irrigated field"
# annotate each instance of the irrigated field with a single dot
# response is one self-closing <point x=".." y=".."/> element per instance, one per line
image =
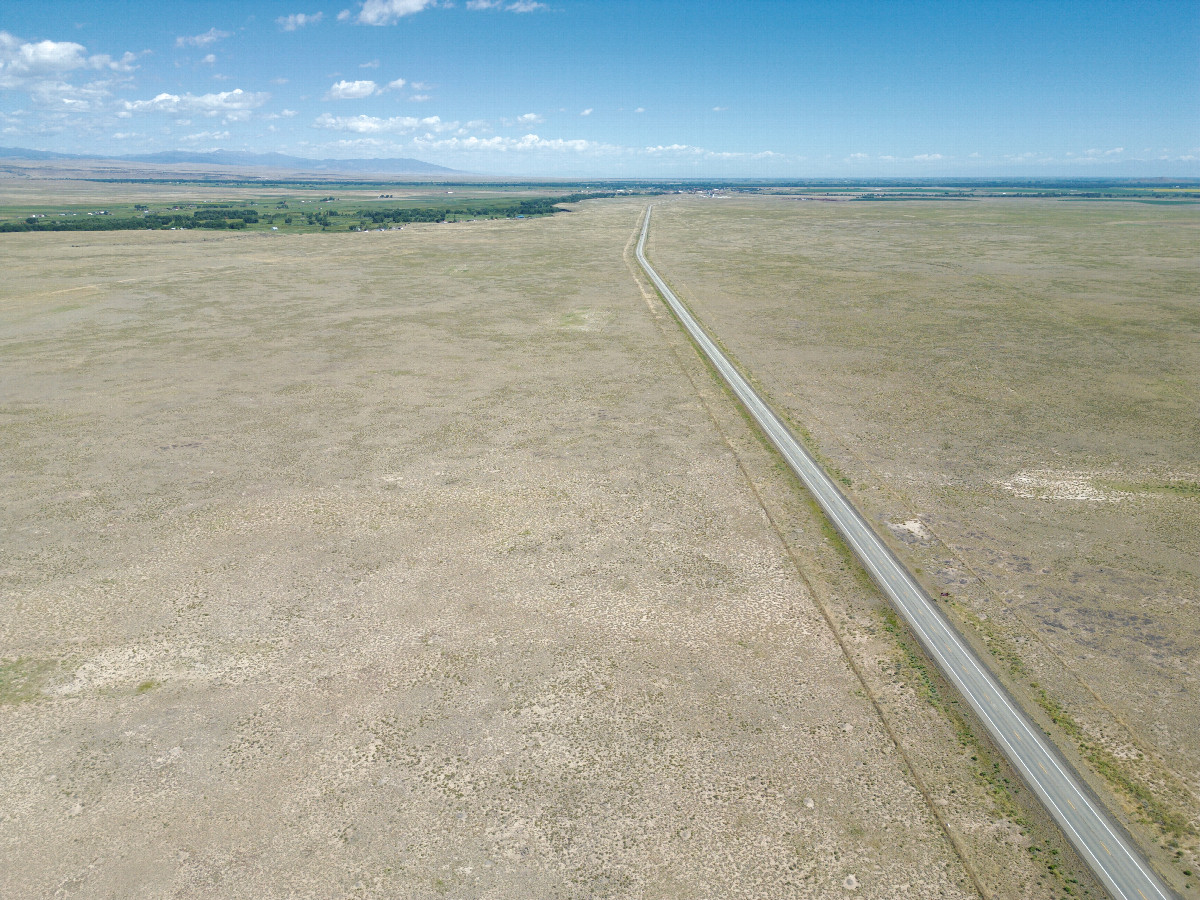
<point x="1010" y="388"/>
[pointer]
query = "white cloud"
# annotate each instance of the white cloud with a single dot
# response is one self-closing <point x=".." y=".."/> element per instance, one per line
<point x="299" y="20"/>
<point x="227" y="102"/>
<point x="928" y="157"/>
<point x="343" y="15"/>
<point x="516" y="6"/>
<point x="385" y="12"/>
<point x="586" y="112"/>
<point x="351" y="90"/>
<point x="526" y="119"/>
<point x="420" y="98"/>
<point x="640" y="109"/>
<point x="373" y="64"/>
<point x="719" y="108"/>
<point x="23" y="59"/>
<point x="857" y="156"/>
<point x="396" y="85"/>
<point x="209" y="59"/>
<point x="207" y="136"/>
<point x="530" y="142"/>
<point x="377" y="125"/>
<point x="202" y="40"/>
<point x="43" y="69"/>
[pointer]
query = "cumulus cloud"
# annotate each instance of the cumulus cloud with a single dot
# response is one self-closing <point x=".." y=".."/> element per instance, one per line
<point x="230" y="103"/>
<point x="372" y="64"/>
<point x="351" y="90"/>
<point x="420" y="98"/>
<point x="526" y="119"/>
<point x="396" y="85"/>
<point x="586" y="112"/>
<point x="516" y="6"/>
<point x="928" y="157"/>
<point x="378" y="125"/>
<point x="207" y="136"/>
<point x="385" y="12"/>
<point x="719" y="108"/>
<point x="640" y="109"/>
<point x="209" y="59"/>
<point x="529" y="142"/>
<point x="44" y="70"/>
<point x="24" y="59"/>
<point x="299" y="20"/>
<point x="202" y="40"/>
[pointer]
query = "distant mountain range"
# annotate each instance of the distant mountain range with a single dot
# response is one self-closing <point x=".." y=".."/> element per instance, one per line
<point x="239" y="158"/>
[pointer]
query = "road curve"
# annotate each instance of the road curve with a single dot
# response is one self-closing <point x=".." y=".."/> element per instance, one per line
<point x="1102" y="844"/>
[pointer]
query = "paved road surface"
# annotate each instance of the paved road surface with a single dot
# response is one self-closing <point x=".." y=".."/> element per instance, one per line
<point x="1103" y="845"/>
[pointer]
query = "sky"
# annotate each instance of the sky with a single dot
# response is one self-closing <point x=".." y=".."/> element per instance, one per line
<point x="594" y="88"/>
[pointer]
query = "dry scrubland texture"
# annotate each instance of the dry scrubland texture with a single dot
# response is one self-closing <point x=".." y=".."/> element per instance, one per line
<point x="406" y="564"/>
<point x="1012" y="388"/>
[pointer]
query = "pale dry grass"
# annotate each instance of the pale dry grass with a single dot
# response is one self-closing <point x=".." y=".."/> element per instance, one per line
<point x="407" y="564"/>
<point x="1020" y="379"/>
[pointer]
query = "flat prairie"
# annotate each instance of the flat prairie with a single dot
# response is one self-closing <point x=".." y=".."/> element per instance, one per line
<point x="1009" y="391"/>
<point x="434" y="563"/>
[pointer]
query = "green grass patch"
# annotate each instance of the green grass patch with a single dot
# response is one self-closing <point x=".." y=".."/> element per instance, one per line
<point x="1189" y="490"/>
<point x="1115" y="771"/>
<point x="23" y="679"/>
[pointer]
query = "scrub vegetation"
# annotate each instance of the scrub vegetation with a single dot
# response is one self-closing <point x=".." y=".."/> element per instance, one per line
<point x="1010" y="387"/>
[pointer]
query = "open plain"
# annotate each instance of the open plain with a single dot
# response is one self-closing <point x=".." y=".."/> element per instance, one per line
<point x="1008" y="389"/>
<point x="434" y="563"/>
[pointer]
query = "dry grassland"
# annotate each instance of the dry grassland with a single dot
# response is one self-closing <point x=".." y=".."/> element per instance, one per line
<point x="433" y="563"/>
<point x="1010" y="389"/>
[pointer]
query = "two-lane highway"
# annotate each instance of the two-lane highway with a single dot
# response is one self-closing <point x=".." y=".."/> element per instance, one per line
<point x="1103" y="845"/>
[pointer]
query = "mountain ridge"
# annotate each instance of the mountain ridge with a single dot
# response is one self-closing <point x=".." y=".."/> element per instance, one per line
<point x="389" y="166"/>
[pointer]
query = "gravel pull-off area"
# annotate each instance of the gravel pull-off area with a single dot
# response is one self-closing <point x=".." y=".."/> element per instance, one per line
<point x="405" y="565"/>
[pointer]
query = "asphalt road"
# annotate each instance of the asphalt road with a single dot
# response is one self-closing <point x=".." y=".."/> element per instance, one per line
<point x="1102" y="843"/>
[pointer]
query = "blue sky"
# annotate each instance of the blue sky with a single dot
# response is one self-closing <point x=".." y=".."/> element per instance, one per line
<point x="621" y="88"/>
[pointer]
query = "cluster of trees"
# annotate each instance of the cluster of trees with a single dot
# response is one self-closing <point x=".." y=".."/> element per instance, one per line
<point x="201" y="218"/>
<point x="496" y="209"/>
<point x="227" y="216"/>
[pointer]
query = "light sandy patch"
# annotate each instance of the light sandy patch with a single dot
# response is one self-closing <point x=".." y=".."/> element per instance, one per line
<point x="914" y="527"/>
<point x="1052" y="485"/>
